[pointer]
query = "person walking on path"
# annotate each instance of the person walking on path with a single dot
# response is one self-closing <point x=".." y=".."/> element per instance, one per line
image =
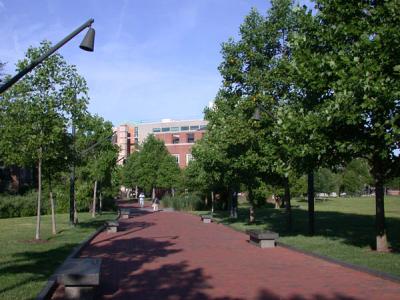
<point x="141" y="199"/>
<point x="155" y="204"/>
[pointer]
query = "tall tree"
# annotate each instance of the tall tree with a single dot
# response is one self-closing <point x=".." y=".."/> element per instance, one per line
<point x="35" y="111"/>
<point x="152" y="167"/>
<point x="354" y="52"/>
<point x="97" y="155"/>
<point x="254" y="71"/>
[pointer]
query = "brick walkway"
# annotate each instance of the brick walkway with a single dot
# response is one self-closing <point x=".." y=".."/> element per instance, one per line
<point x="169" y="255"/>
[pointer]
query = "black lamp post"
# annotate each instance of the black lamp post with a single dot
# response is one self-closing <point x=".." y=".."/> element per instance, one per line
<point x="87" y="45"/>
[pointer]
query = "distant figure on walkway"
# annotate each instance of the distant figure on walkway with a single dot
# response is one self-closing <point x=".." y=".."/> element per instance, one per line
<point x="141" y="199"/>
<point x="155" y="204"/>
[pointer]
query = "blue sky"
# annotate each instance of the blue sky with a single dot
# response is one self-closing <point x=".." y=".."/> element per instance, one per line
<point x="153" y="59"/>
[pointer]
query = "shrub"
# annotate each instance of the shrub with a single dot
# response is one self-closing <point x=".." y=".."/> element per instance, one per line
<point x="183" y="202"/>
<point x="12" y="206"/>
<point x="108" y="204"/>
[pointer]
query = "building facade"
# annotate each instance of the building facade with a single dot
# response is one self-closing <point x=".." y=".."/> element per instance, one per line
<point x="178" y="136"/>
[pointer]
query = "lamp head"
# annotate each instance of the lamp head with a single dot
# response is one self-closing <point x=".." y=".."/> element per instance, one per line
<point x="88" y="41"/>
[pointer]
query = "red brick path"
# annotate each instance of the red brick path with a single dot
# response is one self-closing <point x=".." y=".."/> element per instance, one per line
<point x="170" y="255"/>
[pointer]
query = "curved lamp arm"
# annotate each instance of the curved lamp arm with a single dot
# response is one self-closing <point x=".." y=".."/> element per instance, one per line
<point x="34" y="63"/>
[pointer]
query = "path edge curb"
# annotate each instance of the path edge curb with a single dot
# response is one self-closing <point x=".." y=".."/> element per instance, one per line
<point x="51" y="285"/>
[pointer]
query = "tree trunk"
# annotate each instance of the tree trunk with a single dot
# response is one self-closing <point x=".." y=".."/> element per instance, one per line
<point x="381" y="239"/>
<point x="94" y="199"/>
<point x="100" y="202"/>
<point x="206" y="200"/>
<point x="37" y="236"/>
<point x="252" y="215"/>
<point x="53" y="216"/>
<point x="153" y="194"/>
<point x="173" y="192"/>
<point x="288" y="205"/>
<point x="212" y="203"/>
<point x="230" y="203"/>
<point x="136" y="191"/>
<point x="75" y="212"/>
<point x="310" y="194"/>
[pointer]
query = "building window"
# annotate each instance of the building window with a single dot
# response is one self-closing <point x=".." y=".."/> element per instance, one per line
<point x="136" y="133"/>
<point x="189" y="157"/>
<point x="203" y="127"/>
<point x="174" y="128"/>
<point x="184" y="128"/>
<point x="190" y="137"/>
<point x="176" y="157"/>
<point x="136" y="141"/>
<point x="195" y="127"/>
<point x="156" y="129"/>
<point x="175" y="139"/>
<point x="165" y="129"/>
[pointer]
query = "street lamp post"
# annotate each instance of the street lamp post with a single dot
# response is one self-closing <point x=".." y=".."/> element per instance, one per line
<point x="87" y="45"/>
<point x="73" y="219"/>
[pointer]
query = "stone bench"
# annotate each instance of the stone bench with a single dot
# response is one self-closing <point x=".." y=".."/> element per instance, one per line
<point x="263" y="239"/>
<point x="126" y="213"/>
<point x="206" y="218"/>
<point x="112" y="226"/>
<point x="80" y="276"/>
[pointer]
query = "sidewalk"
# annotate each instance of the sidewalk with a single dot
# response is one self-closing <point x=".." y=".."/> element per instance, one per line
<point x="171" y="255"/>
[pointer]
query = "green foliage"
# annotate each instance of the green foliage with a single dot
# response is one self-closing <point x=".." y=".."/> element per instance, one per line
<point x="43" y="100"/>
<point x="95" y="160"/>
<point x="355" y="177"/>
<point x="325" y="181"/>
<point x="152" y="166"/>
<point x="130" y="171"/>
<point x="350" y="52"/>
<point x="20" y="205"/>
<point x="188" y="202"/>
<point x="394" y="183"/>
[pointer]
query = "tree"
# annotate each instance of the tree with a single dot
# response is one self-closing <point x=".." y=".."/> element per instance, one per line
<point x="354" y="52"/>
<point x="354" y="177"/>
<point x="130" y="171"/>
<point x="42" y="100"/>
<point x="96" y="153"/>
<point x="255" y="73"/>
<point x="152" y="167"/>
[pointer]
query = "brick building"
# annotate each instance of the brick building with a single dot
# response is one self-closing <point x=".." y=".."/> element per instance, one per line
<point x="178" y="136"/>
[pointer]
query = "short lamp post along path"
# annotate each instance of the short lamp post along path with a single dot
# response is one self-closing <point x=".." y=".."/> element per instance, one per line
<point x="87" y="45"/>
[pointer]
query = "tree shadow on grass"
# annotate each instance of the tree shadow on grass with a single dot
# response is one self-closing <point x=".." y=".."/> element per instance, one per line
<point x="353" y="229"/>
<point x="33" y="266"/>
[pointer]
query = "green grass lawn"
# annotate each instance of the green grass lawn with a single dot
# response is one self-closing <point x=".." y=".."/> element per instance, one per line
<point x="344" y="229"/>
<point x="25" y="265"/>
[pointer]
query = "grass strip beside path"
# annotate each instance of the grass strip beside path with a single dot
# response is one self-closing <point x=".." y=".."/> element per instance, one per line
<point x="345" y="229"/>
<point x="25" y="265"/>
